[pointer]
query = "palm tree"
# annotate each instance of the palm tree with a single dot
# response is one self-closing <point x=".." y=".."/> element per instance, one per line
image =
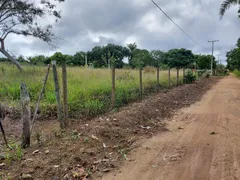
<point x="226" y="5"/>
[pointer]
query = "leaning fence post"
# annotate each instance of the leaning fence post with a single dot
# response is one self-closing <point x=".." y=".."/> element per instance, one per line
<point x="169" y="77"/>
<point x="65" y="93"/>
<point x="158" y="79"/>
<point x="141" y="86"/>
<point x="56" y="84"/>
<point x="40" y="97"/>
<point x="26" y="115"/>
<point x="113" y="86"/>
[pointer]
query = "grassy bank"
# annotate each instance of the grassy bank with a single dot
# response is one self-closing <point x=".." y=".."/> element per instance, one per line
<point x="89" y="89"/>
<point x="236" y="73"/>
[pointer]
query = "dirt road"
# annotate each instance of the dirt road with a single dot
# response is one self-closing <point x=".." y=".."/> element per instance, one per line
<point x="203" y="142"/>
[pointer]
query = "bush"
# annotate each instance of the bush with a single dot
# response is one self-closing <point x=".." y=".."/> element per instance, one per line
<point x="200" y="73"/>
<point x="189" y="77"/>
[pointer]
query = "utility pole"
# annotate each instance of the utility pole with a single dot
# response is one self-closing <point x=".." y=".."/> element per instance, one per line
<point x="213" y="41"/>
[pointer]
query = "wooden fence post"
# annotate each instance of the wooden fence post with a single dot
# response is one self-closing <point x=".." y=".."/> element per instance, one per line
<point x="183" y="74"/>
<point x="65" y="93"/>
<point x="158" y="78"/>
<point x="141" y="85"/>
<point x="113" y="87"/>
<point x="26" y="115"/>
<point x="169" y="77"/>
<point x="56" y="85"/>
<point x="177" y="76"/>
<point x="40" y="97"/>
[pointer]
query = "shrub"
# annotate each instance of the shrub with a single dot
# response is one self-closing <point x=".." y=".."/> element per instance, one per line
<point x="189" y="77"/>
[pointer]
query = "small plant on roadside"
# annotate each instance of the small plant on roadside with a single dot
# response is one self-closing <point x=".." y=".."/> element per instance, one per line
<point x="38" y="137"/>
<point x="75" y="135"/>
<point x="123" y="153"/>
<point x="85" y="140"/>
<point x="189" y="77"/>
<point x="13" y="154"/>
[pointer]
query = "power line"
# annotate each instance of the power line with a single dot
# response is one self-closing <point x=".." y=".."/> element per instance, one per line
<point x="205" y="12"/>
<point x="202" y="6"/>
<point x="188" y="6"/>
<point x="176" y="24"/>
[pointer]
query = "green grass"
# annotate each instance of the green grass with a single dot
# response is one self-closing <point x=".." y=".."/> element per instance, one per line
<point x="236" y="73"/>
<point x="89" y="89"/>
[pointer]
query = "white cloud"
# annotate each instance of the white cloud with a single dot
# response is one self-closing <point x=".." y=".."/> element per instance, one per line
<point x="85" y="24"/>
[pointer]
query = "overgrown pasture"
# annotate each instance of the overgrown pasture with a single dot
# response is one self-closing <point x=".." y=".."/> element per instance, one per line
<point x="89" y="89"/>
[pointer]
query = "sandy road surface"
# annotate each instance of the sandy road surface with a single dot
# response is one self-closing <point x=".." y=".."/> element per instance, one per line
<point x="189" y="151"/>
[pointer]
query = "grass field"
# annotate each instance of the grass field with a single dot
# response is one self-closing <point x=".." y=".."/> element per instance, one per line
<point x="89" y="89"/>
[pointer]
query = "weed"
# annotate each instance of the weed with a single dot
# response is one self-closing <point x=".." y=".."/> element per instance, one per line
<point x="85" y="140"/>
<point x="189" y="77"/>
<point x="13" y="154"/>
<point x="38" y="137"/>
<point x="75" y="135"/>
<point x="123" y="153"/>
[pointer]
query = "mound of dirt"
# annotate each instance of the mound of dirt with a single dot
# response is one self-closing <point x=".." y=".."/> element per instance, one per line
<point x="90" y="148"/>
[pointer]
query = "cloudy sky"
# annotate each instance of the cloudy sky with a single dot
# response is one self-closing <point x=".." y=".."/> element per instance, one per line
<point x="87" y="23"/>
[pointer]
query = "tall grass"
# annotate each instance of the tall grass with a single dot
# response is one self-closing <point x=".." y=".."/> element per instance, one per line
<point x="89" y="89"/>
<point x="236" y="73"/>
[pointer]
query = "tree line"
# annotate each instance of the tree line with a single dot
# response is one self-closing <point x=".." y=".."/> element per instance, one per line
<point x="233" y="57"/>
<point x="101" y="57"/>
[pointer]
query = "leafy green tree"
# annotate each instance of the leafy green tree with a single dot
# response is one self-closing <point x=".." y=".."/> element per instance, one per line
<point x="233" y="59"/>
<point x="132" y="48"/>
<point x="158" y="58"/>
<point x="39" y="60"/>
<point x="100" y="55"/>
<point x="179" y="58"/>
<point x="141" y="58"/>
<point x="22" y="17"/>
<point x="2" y="59"/>
<point x="58" y="57"/>
<point x="78" y="59"/>
<point x="204" y="61"/>
<point x="95" y="57"/>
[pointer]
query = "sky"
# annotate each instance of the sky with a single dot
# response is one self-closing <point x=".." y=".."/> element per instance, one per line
<point x="88" y="23"/>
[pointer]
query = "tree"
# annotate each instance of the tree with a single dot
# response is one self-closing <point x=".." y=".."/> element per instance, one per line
<point x="78" y="59"/>
<point x="95" y="57"/>
<point x="141" y="58"/>
<point x="158" y="58"/>
<point x="204" y="61"/>
<point x="179" y="58"/>
<point x="100" y="55"/>
<point x="58" y="57"/>
<point x="226" y="5"/>
<point x="21" y="17"/>
<point x="233" y="57"/>
<point x="132" y="48"/>
<point x="39" y="60"/>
